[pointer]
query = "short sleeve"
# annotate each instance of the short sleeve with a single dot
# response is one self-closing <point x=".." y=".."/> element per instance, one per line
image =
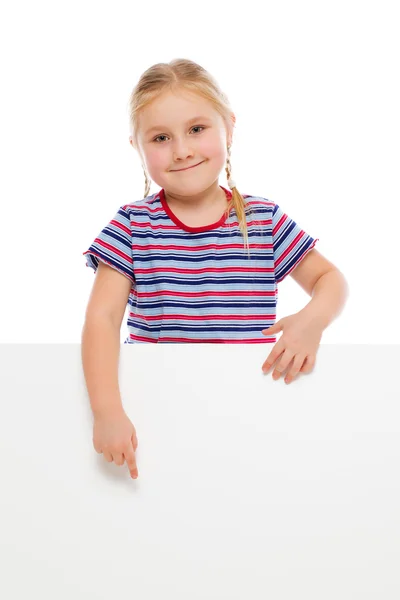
<point x="113" y="245"/>
<point x="291" y="243"/>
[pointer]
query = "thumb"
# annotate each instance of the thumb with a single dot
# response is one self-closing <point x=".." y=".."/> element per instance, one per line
<point x="275" y="328"/>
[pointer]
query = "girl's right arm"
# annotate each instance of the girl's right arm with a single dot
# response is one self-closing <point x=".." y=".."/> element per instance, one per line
<point x="101" y="337"/>
<point x="113" y="435"/>
<point x="100" y="356"/>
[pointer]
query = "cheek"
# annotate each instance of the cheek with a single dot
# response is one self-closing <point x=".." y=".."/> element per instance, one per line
<point x="211" y="148"/>
<point x="156" y="159"/>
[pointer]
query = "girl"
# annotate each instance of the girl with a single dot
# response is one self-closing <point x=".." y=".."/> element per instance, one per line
<point x="196" y="262"/>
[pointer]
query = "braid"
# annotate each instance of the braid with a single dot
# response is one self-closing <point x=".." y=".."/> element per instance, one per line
<point x="237" y="201"/>
<point x="148" y="184"/>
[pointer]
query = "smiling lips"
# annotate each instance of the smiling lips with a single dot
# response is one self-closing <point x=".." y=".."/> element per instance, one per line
<point x="187" y="168"/>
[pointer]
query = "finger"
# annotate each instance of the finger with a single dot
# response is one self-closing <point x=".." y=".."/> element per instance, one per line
<point x="131" y="461"/>
<point x="118" y="458"/>
<point x="273" y="329"/>
<point x="283" y="363"/>
<point x="286" y="358"/>
<point x="96" y="447"/>
<point x="273" y="356"/>
<point x="309" y="364"/>
<point x="295" y="368"/>
<point x="107" y="455"/>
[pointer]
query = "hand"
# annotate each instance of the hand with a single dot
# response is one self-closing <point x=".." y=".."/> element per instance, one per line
<point x="115" y="436"/>
<point x="300" y="340"/>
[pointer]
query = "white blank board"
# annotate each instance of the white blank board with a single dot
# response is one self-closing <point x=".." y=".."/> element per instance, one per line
<point x="248" y="488"/>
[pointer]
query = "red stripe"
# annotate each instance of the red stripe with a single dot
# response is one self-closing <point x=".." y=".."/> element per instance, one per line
<point x="206" y="270"/>
<point x="121" y="226"/>
<point x="204" y="341"/>
<point x="113" y="249"/>
<point x="193" y="249"/>
<point x="289" y="248"/>
<point x="202" y="317"/>
<point x="206" y="293"/>
<point x="279" y="224"/>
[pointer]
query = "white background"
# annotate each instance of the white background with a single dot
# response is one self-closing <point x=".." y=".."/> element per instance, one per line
<point x="248" y="488"/>
<point x="315" y="90"/>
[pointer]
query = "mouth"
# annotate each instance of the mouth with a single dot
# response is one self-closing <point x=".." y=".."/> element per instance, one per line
<point x="187" y="168"/>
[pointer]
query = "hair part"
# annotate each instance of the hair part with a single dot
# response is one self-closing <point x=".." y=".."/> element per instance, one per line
<point x="177" y="75"/>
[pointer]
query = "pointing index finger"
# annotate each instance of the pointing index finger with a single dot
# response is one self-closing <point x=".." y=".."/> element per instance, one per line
<point x="131" y="460"/>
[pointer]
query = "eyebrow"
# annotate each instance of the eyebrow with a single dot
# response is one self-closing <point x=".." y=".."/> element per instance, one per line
<point x="160" y="127"/>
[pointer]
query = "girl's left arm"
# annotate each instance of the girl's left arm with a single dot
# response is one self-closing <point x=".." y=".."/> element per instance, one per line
<point x="329" y="296"/>
<point x="323" y="281"/>
<point x="302" y="331"/>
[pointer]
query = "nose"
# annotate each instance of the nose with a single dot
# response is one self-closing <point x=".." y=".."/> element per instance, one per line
<point x="182" y="151"/>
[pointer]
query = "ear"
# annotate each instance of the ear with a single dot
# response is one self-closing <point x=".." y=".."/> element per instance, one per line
<point x="134" y="144"/>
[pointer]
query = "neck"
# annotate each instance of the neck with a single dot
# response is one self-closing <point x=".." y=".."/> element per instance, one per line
<point x="203" y="200"/>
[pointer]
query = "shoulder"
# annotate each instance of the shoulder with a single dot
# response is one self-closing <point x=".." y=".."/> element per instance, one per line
<point x="258" y="203"/>
<point x="143" y="205"/>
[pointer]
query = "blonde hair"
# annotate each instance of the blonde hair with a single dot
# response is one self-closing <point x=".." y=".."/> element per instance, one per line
<point x="183" y="74"/>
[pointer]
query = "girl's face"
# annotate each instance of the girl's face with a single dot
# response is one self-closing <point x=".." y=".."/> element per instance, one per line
<point x="181" y="130"/>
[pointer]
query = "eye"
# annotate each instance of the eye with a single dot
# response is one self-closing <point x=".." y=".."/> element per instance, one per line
<point x="160" y="136"/>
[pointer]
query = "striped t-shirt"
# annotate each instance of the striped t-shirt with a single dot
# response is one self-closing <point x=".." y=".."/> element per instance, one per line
<point x="198" y="284"/>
